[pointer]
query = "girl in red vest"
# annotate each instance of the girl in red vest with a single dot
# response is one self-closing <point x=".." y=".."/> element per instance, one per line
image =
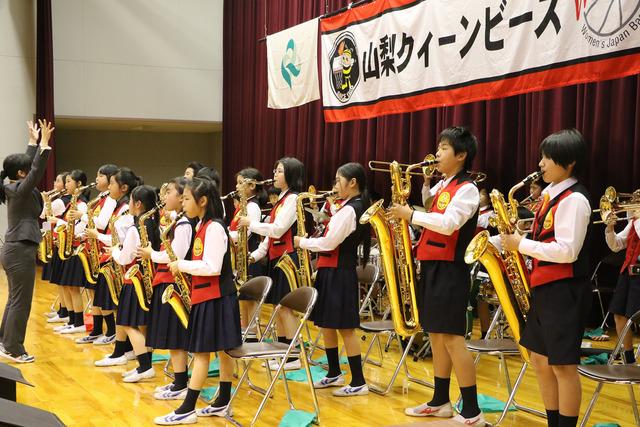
<point x="102" y="214"/>
<point x="336" y="309"/>
<point x="165" y="330"/>
<point x="72" y="277"/>
<point x="121" y="185"/>
<point x="214" y="320"/>
<point x="443" y="290"/>
<point x="288" y="176"/>
<point x="256" y="196"/>
<point x="626" y="298"/>
<point x="131" y="317"/>
<point x="560" y="288"/>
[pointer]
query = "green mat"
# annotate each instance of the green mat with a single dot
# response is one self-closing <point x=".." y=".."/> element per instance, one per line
<point x="300" y="375"/>
<point x="595" y="359"/>
<point x="214" y="368"/>
<point x="297" y="418"/>
<point x="606" y="425"/>
<point x="323" y="360"/>
<point x="593" y="333"/>
<point x="155" y="358"/>
<point x="488" y="404"/>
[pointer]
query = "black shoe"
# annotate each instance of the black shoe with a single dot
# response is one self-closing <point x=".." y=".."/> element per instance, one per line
<point x="18" y="358"/>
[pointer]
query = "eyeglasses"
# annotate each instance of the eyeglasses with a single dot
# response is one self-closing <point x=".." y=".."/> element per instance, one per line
<point x="275" y="171"/>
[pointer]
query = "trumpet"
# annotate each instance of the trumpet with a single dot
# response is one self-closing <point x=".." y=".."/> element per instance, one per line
<point x="613" y="203"/>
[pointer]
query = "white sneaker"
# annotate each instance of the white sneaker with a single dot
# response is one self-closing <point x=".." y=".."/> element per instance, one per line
<point x="424" y="410"/>
<point x="111" y="361"/>
<point x="129" y="372"/>
<point x="58" y="319"/>
<point x="88" y="339"/>
<point x="477" y="421"/>
<point x="210" y="411"/>
<point x="104" y="340"/>
<point x="51" y="314"/>
<point x="130" y="355"/>
<point x="162" y="388"/>
<point x="61" y="327"/>
<point x="171" y="395"/>
<point x="294" y="365"/>
<point x="329" y="382"/>
<point x="173" y="419"/>
<point x="74" y="329"/>
<point x="347" y="391"/>
<point x="135" y="377"/>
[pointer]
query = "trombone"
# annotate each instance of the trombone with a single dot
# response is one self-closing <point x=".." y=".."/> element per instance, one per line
<point x="613" y="203"/>
<point x="428" y="166"/>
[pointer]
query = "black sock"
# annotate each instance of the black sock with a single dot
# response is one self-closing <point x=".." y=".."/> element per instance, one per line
<point x="97" y="325"/>
<point x="552" y="417"/>
<point x="179" y="381"/>
<point x="127" y="346"/>
<point x="118" y="350"/>
<point x="110" y="321"/>
<point x="72" y="317"/>
<point x="483" y="335"/>
<point x="79" y="319"/>
<point x="629" y="357"/>
<point x="355" y="364"/>
<point x="224" y="395"/>
<point x="440" y="392"/>
<point x="470" y="406"/>
<point x="567" y="421"/>
<point x="144" y="360"/>
<point x="283" y="339"/>
<point x="189" y="403"/>
<point x="287" y="341"/>
<point x="333" y="361"/>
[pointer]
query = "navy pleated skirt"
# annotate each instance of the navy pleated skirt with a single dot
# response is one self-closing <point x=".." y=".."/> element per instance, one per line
<point x="165" y="331"/>
<point x="281" y="286"/>
<point x="46" y="271"/>
<point x="129" y="311"/>
<point x="55" y="264"/>
<point x="214" y="325"/>
<point x="102" y="297"/>
<point x="73" y="273"/>
<point x="337" y="304"/>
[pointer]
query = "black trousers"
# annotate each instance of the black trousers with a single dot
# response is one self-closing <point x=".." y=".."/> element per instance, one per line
<point x="19" y="262"/>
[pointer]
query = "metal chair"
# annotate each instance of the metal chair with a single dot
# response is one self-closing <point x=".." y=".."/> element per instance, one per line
<point x="613" y="374"/>
<point x="301" y="302"/>
<point x="257" y="289"/>
<point x="604" y="279"/>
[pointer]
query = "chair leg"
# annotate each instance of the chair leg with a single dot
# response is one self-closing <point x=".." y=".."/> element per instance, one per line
<point x="406" y="367"/>
<point x="494" y="321"/>
<point x="234" y="393"/>
<point x="366" y="359"/>
<point x="310" y="381"/>
<point x="634" y="406"/>
<point x="592" y="403"/>
<point x="383" y="391"/>
<point x="512" y="394"/>
<point x="167" y="371"/>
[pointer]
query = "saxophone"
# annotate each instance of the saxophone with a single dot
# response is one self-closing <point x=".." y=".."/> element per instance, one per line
<point x="505" y="266"/>
<point x="112" y="271"/>
<point x="66" y="232"/>
<point x="88" y="252"/>
<point x="178" y="296"/>
<point x="396" y="248"/>
<point x="143" y="278"/>
<point x="45" y="248"/>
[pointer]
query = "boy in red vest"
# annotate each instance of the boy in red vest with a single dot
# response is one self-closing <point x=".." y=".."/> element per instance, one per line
<point x="560" y="288"/>
<point x="443" y="290"/>
<point x="626" y="298"/>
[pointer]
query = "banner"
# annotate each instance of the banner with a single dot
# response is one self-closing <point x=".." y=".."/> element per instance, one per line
<point x="397" y="56"/>
<point x="292" y="62"/>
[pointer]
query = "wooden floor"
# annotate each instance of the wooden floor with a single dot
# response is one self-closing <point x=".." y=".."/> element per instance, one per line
<point x="67" y="383"/>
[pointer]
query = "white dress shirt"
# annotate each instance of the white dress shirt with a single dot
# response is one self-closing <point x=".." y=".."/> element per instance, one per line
<point x="462" y="206"/>
<point x="255" y="215"/>
<point x="618" y="242"/>
<point x="341" y="225"/>
<point x="180" y="243"/>
<point x="215" y="247"/>
<point x="102" y="219"/>
<point x="484" y="217"/>
<point x="122" y="224"/>
<point x="80" y="224"/>
<point x="283" y="221"/>
<point x="127" y="254"/>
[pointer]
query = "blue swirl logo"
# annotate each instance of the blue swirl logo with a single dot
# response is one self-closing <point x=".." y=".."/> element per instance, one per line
<point x="287" y="66"/>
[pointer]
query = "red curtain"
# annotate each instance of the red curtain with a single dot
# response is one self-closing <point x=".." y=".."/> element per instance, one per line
<point x="44" y="81"/>
<point x="509" y="130"/>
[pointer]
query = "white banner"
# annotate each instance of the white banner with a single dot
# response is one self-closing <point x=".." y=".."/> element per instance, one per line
<point x="292" y="62"/>
<point x="395" y="56"/>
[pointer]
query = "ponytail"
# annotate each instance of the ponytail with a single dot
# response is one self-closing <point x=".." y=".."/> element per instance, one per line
<point x="356" y="171"/>
<point x="147" y="195"/>
<point x="3" y="196"/>
<point x="11" y="165"/>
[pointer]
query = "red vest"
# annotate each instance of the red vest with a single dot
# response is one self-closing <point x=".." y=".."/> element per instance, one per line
<point x="104" y="257"/>
<point x="482" y="211"/>
<point x="162" y="274"/>
<point x="434" y="246"/>
<point x="205" y="288"/>
<point x="284" y="244"/>
<point x="233" y="225"/>
<point x="633" y="248"/>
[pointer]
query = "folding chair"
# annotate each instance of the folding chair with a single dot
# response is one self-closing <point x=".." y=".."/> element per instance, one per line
<point x="256" y="289"/>
<point x="604" y="279"/>
<point x="368" y="276"/>
<point x="301" y="302"/>
<point x="613" y="374"/>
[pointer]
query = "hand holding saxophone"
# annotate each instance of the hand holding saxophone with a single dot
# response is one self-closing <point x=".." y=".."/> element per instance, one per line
<point x="74" y="214"/>
<point x="244" y="221"/>
<point x="296" y="240"/>
<point x="401" y="211"/>
<point x="144" y="252"/>
<point x="173" y="266"/>
<point x="91" y="233"/>
<point x="511" y="242"/>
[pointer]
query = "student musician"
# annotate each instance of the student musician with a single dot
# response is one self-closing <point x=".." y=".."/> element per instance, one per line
<point x="165" y="330"/>
<point x="214" y="320"/>
<point x="289" y="178"/>
<point x="192" y="169"/>
<point x="626" y="298"/>
<point x="130" y="316"/>
<point x="337" y="307"/>
<point x="120" y="187"/>
<point x="560" y="288"/>
<point x="443" y="290"/>
<point x="102" y="213"/>
<point x="255" y="197"/>
<point x="18" y="257"/>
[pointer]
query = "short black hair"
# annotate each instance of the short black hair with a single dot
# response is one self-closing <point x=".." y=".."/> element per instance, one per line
<point x="196" y="166"/>
<point x="273" y="191"/>
<point x="207" y="172"/>
<point x="462" y="141"/>
<point x="108" y="170"/>
<point x="565" y="147"/>
<point x="253" y="173"/>
<point x="293" y="172"/>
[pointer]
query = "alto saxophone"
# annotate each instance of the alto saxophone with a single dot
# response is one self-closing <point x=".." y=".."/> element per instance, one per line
<point x="45" y="248"/>
<point x="88" y="252"/>
<point x="112" y="271"/>
<point x="396" y="248"/>
<point x="66" y="232"/>
<point x="240" y="248"/>
<point x="178" y="296"/>
<point x="143" y="278"/>
<point x="514" y="297"/>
